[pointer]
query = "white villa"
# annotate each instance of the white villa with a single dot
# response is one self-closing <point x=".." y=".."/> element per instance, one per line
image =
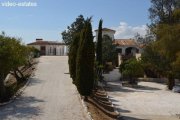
<point x="106" y="31"/>
<point x="125" y="47"/>
<point x="49" y="47"/>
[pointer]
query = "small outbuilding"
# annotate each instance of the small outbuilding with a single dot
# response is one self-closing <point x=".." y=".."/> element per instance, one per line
<point x="53" y="48"/>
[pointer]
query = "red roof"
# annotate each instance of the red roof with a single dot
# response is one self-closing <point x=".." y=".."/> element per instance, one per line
<point x="125" y="42"/>
<point x="41" y="42"/>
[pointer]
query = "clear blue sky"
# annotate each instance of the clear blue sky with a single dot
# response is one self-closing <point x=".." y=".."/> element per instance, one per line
<point x="51" y="17"/>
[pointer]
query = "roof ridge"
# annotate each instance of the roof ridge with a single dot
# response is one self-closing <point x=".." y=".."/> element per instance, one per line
<point x="46" y="43"/>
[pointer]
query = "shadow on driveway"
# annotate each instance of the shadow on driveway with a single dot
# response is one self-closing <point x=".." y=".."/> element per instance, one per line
<point x="131" y="118"/>
<point x="141" y="87"/>
<point x="117" y="87"/>
<point x="21" y="108"/>
<point x="34" y="81"/>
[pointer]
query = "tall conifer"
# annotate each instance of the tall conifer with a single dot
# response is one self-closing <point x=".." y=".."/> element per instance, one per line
<point x="85" y="61"/>
<point x="72" y="55"/>
<point x="99" y="44"/>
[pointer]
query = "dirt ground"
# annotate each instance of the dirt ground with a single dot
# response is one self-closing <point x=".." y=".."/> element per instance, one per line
<point x="100" y="107"/>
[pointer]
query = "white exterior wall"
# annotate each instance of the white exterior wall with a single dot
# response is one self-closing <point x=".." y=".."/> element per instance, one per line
<point x="123" y="50"/>
<point x="138" y="56"/>
<point x="109" y="33"/>
<point x="58" y="50"/>
<point x="119" y="59"/>
<point x="66" y="50"/>
<point x="49" y="49"/>
<point x="61" y="50"/>
<point x="133" y="49"/>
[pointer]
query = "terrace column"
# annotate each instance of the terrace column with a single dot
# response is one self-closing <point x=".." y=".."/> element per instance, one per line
<point x="123" y="50"/>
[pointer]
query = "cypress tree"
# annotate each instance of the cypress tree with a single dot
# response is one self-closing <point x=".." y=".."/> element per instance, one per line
<point x="85" y="61"/>
<point x="72" y="56"/>
<point x="72" y="37"/>
<point x="99" y="44"/>
<point x="99" y="51"/>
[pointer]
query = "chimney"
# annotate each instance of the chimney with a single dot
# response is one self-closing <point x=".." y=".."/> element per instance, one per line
<point x="39" y="39"/>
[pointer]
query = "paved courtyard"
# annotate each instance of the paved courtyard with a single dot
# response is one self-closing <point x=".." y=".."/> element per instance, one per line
<point x="148" y="101"/>
<point x="49" y="96"/>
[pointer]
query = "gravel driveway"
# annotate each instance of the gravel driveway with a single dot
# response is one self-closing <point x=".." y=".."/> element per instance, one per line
<point x="49" y="96"/>
<point x="148" y="101"/>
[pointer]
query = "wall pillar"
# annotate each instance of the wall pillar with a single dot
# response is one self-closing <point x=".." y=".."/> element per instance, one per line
<point x="119" y="59"/>
<point x="123" y="50"/>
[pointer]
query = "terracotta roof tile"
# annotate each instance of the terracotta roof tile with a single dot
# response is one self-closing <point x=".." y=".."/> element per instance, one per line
<point x="125" y="42"/>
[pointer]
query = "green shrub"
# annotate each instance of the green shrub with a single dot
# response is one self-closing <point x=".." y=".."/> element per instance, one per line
<point x="131" y="69"/>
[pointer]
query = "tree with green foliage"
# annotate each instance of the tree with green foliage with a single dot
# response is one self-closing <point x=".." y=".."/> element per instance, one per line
<point x="85" y="61"/>
<point x="161" y="11"/>
<point x="145" y="40"/>
<point x="71" y="37"/>
<point x="72" y="56"/>
<point x="99" y="64"/>
<point x="12" y="55"/>
<point x="176" y="66"/>
<point x="165" y="16"/>
<point x="19" y="58"/>
<point x="158" y="57"/>
<point x="4" y="66"/>
<point x="108" y="50"/>
<point x="131" y="69"/>
<point x="75" y="27"/>
<point x="34" y="52"/>
<point x="99" y="44"/>
<point x="150" y="60"/>
<point x="168" y="46"/>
